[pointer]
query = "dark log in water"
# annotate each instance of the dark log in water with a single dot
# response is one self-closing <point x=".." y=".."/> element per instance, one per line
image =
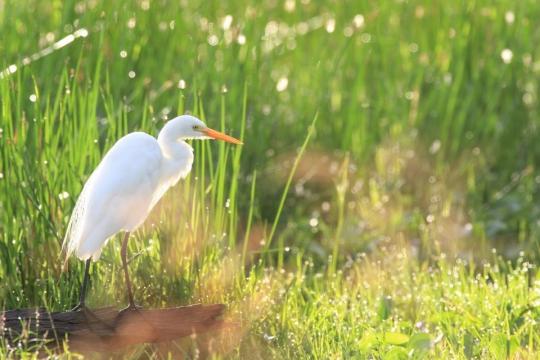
<point x="107" y="329"/>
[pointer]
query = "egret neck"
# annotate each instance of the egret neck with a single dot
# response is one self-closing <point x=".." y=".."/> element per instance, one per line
<point x="177" y="157"/>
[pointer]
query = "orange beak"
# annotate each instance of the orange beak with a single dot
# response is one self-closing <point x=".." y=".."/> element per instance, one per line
<point x="220" y="136"/>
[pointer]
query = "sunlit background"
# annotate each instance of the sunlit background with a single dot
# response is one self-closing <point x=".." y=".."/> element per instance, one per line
<point x="386" y="201"/>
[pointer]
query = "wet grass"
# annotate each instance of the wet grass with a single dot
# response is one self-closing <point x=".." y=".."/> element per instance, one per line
<point x="389" y="147"/>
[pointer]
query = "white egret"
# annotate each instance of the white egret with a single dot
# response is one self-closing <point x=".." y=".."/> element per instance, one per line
<point x="125" y="186"/>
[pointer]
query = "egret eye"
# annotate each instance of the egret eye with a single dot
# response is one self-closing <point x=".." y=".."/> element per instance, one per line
<point x="196" y="127"/>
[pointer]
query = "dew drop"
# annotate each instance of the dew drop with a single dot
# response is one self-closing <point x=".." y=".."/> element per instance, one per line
<point x="509" y="17"/>
<point x="213" y="40"/>
<point x="507" y="55"/>
<point x="282" y="84"/>
<point x="330" y="26"/>
<point x="241" y="40"/>
<point x="227" y="22"/>
<point x="358" y="21"/>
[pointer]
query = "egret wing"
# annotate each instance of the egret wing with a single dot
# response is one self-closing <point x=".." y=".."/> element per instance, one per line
<point x="117" y="196"/>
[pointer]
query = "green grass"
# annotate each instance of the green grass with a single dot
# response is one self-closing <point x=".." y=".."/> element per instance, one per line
<point x="389" y="148"/>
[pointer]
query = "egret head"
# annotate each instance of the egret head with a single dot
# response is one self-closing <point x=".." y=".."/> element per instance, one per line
<point x="186" y="127"/>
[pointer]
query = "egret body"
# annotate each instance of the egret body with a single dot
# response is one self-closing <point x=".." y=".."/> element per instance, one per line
<point x="125" y="186"/>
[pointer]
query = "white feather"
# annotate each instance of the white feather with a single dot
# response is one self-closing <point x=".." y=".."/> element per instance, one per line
<point x="132" y="177"/>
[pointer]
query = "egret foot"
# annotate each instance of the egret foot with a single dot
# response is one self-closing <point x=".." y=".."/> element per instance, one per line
<point x="80" y="307"/>
<point x="130" y="307"/>
<point x="90" y="316"/>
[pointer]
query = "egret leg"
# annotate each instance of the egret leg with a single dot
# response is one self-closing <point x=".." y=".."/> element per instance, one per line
<point x="123" y="253"/>
<point x="82" y="296"/>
